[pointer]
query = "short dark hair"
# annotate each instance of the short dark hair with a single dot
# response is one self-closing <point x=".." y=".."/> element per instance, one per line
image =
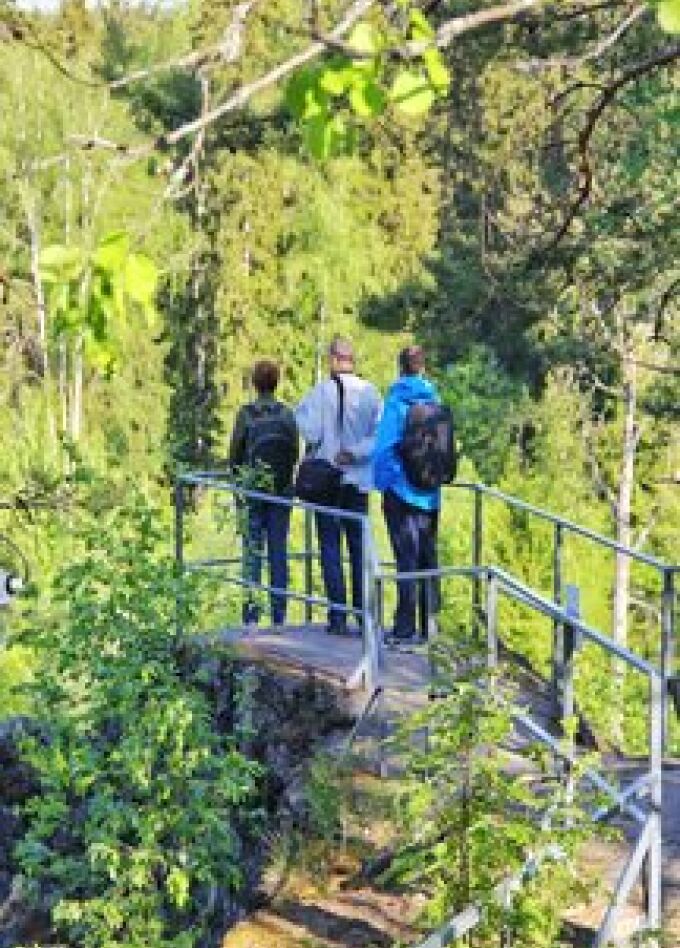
<point x="411" y="360"/>
<point x="265" y="376"/>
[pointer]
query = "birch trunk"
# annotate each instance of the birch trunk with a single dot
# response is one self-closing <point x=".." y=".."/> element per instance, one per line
<point x="624" y="502"/>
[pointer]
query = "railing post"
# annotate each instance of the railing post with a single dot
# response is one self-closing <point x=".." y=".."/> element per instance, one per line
<point x="667" y="645"/>
<point x="558" y="626"/>
<point x="309" y="564"/>
<point x="179" y="551"/>
<point x="370" y="642"/>
<point x="657" y="686"/>
<point x="477" y="540"/>
<point x="571" y="643"/>
<point x="380" y="605"/>
<point x="492" y="622"/>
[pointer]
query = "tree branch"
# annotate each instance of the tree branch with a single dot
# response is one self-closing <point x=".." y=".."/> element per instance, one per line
<point x="593" y="115"/>
<point x="574" y="62"/>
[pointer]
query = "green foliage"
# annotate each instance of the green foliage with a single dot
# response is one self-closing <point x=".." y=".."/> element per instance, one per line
<point x="327" y="99"/>
<point x="87" y="292"/>
<point x="487" y="405"/>
<point x="470" y="802"/>
<point x="134" y="830"/>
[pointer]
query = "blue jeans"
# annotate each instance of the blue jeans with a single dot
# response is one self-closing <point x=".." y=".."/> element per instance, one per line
<point x="413" y="533"/>
<point x="270" y="523"/>
<point x="330" y="531"/>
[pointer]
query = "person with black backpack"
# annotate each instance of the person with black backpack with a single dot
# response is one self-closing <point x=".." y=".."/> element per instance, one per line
<point x="263" y="454"/>
<point x="414" y="456"/>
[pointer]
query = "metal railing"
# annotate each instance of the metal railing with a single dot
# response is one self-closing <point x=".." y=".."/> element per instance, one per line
<point x="569" y="632"/>
<point x="646" y="856"/>
<point x="364" y="615"/>
<point x="561" y="528"/>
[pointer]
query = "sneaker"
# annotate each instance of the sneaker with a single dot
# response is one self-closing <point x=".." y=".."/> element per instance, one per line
<point x="277" y="628"/>
<point x="336" y="628"/>
<point x="400" y="638"/>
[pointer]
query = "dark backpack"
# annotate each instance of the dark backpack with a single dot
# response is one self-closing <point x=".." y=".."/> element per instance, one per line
<point x="428" y="446"/>
<point x="271" y="446"/>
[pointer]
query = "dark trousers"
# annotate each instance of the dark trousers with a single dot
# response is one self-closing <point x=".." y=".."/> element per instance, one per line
<point x="413" y="533"/>
<point x="266" y="523"/>
<point x="330" y="531"/>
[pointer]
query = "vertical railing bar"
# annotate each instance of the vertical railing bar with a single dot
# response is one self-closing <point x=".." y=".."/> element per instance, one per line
<point x="654" y="860"/>
<point x="477" y="550"/>
<point x="492" y="622"/>
<point x="667" y="646"/>
<point x="370" y="651"/>
<point x="558" y="626"/>
<point x="179" y="552"/>
<point x="309" y="563"/>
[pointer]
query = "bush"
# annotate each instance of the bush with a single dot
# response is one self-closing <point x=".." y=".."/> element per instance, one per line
<point x="135" y="837"/>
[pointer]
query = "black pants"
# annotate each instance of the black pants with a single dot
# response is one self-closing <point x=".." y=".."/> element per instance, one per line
<point x="413" y="533"/>
<point x="330" y="531"/>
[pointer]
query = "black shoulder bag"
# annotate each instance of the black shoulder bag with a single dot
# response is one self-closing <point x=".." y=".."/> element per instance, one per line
<point x="318" y="481"/>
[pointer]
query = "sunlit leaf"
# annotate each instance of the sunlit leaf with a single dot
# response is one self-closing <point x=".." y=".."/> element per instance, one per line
<point x="367" y="99"/>
<point x="668" y="15"/>
<point x="59" y="262"/>
<point x="141" y="278"/>
<point x="363" y="39"/>
<point x="112" y="250"/>
<point x="337" y="78"/>
<point x="411" y="92"/>
<point x="437" y="70"/>
<point x="421" y="29"/>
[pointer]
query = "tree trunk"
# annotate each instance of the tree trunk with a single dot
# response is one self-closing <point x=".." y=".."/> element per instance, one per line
<point x="624" y="502"/>
<point x="41" y="312"/>
<point x="77" y="400"/>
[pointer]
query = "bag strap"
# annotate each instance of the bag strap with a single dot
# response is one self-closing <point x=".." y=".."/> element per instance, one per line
<point x="341" y="402"/>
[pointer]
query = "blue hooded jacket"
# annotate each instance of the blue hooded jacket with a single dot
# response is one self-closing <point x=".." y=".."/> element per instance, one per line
<point x="388" y="471"/>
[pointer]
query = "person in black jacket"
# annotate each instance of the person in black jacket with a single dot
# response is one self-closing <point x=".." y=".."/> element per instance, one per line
<point x="263" y="453"/>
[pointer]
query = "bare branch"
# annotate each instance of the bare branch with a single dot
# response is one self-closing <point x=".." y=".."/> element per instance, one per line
<point x="574" y="62"/>
<point x="593" y="115"/>
<point x="653" y="367"/>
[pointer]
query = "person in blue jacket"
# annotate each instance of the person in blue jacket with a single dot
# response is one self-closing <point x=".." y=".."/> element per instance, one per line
<point x="411" y="514"/>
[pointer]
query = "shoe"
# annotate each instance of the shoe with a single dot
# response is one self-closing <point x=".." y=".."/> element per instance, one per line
<point x="336" y="629"/>
<point x="277" y="628"/>
<point x="400" y="638"/>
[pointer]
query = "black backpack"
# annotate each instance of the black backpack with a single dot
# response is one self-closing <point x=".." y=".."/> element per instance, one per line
<point x="271" y="446"/>
<point x="428" y="446"/>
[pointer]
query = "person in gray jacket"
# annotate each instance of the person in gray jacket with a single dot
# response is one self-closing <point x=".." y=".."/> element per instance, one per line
<point x="349" y="446"/>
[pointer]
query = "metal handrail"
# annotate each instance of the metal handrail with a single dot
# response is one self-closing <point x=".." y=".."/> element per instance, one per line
<point x="206" y="479"/>
<point x="569" y="525"/>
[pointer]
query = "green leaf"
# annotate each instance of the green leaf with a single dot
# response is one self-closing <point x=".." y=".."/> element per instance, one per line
<point x="297" y="91"/>
<point x="421" y="28"/>
<point x="411" y="92"/>
<point x="326" y="137"/>
<point x="61" y="263"/>
<point x="336" y="79"/>
<point x="367" y="99"/>
<point x="141" y="278"/>
<point x="668" y="15"/>
<point x="363" y="39"/>
<point x="316" y="134"/>
<point x="437" y="71"/>
<point x="112" y="250"/>
<point x="178" y="887"/>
